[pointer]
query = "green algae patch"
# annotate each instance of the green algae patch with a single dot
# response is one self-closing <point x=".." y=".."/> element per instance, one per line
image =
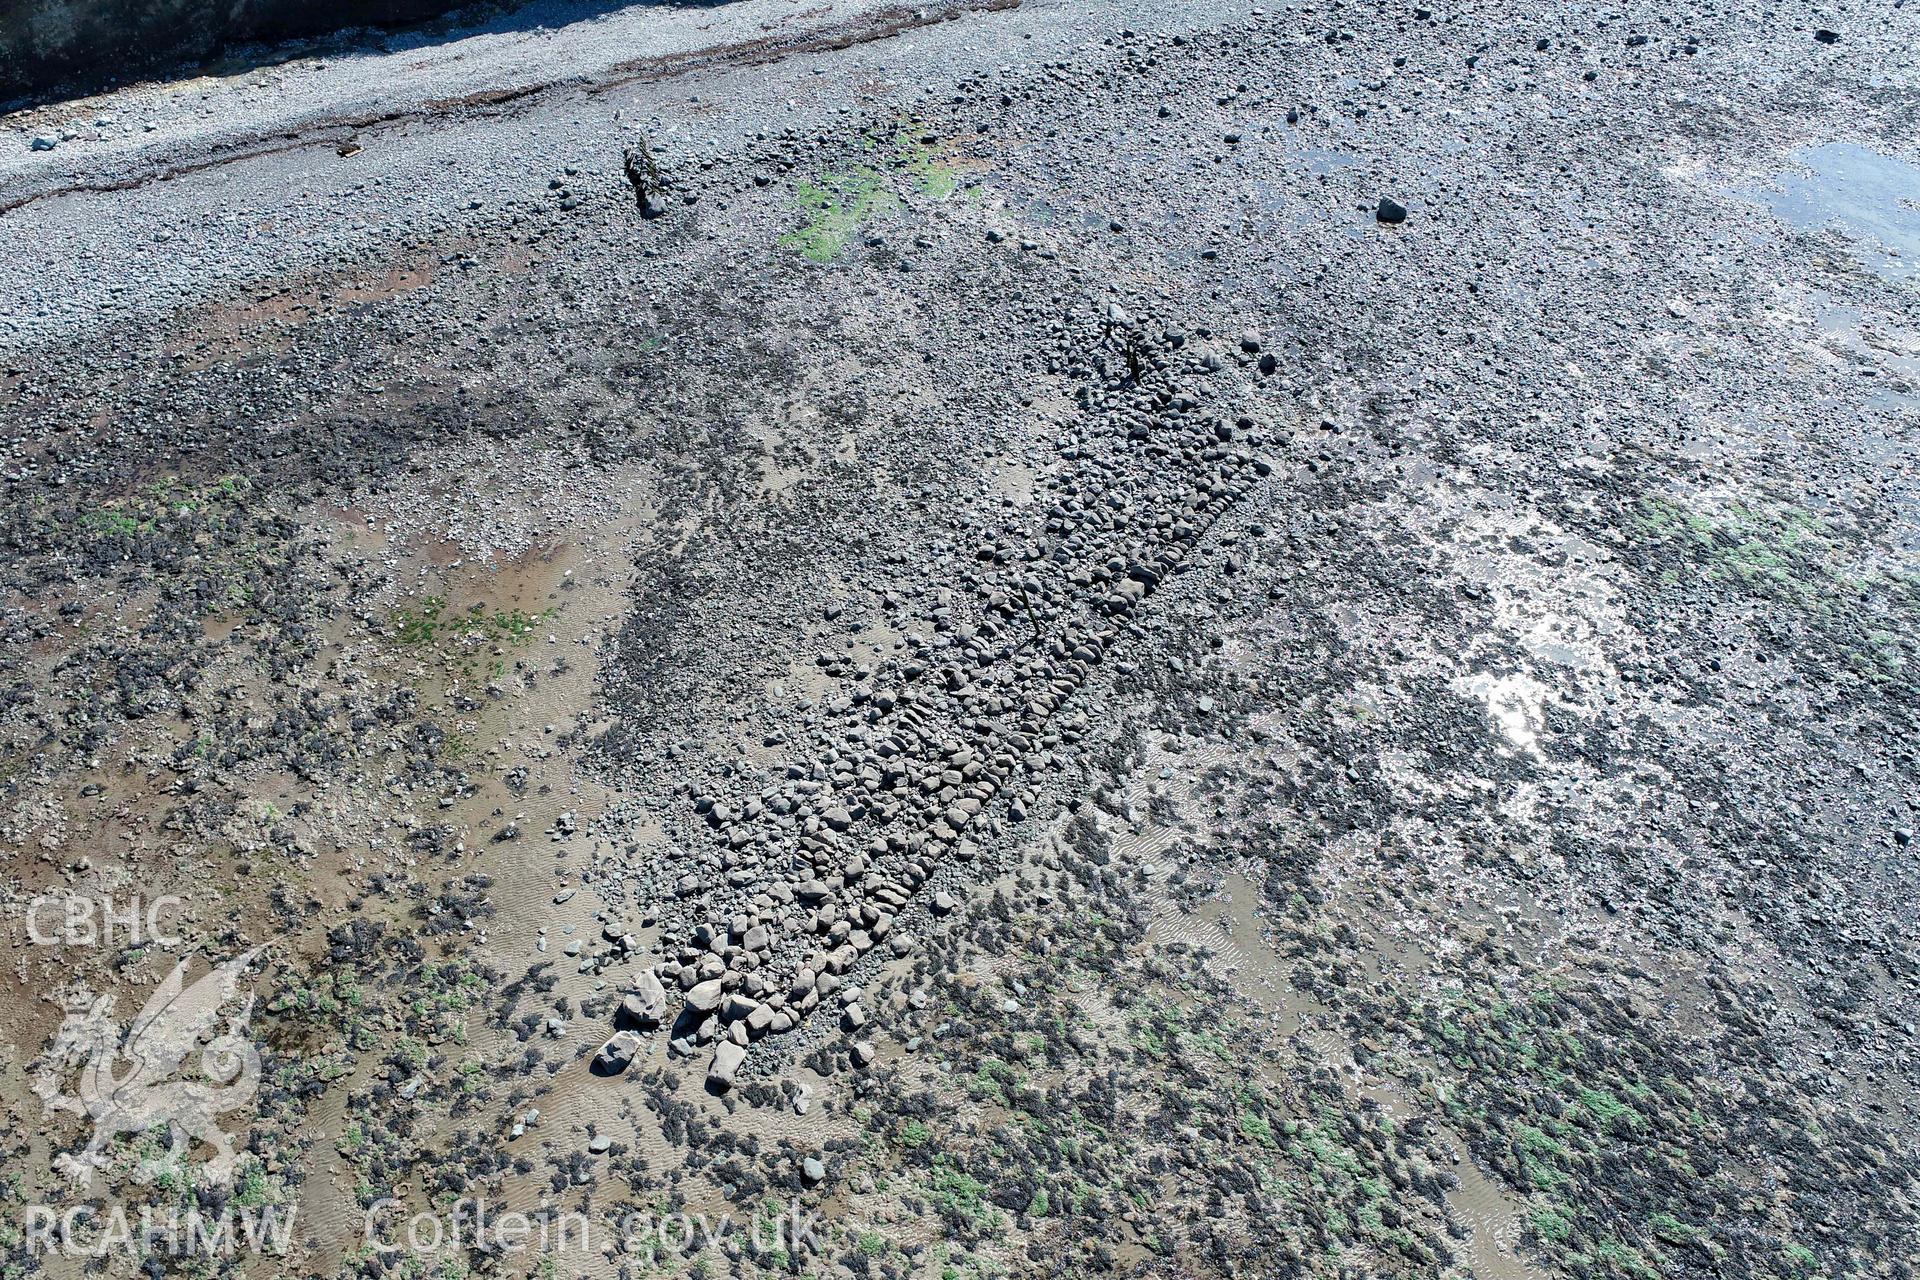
<point x="835" y="204"/>
<point x="927" y="166"/>
<point x="1852" y="600"/>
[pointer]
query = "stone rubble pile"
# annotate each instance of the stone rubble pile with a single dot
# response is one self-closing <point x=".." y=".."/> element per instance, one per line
<point x="816" y="871"/>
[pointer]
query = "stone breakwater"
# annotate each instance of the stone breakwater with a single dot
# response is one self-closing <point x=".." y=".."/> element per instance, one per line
<point x="802" y="880"/>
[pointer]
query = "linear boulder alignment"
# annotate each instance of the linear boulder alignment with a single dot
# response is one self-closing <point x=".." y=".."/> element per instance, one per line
<point x="819" y="868"/>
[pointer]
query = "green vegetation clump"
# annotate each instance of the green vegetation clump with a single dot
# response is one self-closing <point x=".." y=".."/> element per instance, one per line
<point x="332" y="998"/>
<point x="961" y="1199"/>
<point x="463" y="640"/>
<point x="837" y="203"/>
<point x="1636" y="1160"/>
<point x="167" y="506"/>
<point x="441" y="996"/>
<point x="1818" y="568"/>
<point x="429" y="623"/>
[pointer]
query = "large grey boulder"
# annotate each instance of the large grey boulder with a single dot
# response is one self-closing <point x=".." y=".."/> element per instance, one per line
<point x="645" y="1004"/>
<point x="616" y="1055"/>
<point x="727" y="1058"/>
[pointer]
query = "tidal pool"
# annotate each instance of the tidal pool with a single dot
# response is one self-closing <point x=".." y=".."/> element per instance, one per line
<point x="1872" y="199"/>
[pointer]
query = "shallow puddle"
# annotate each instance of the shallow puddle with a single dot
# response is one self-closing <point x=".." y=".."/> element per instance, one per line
<point x="1871" y="198"/>
<point x="1228" y="925"/>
